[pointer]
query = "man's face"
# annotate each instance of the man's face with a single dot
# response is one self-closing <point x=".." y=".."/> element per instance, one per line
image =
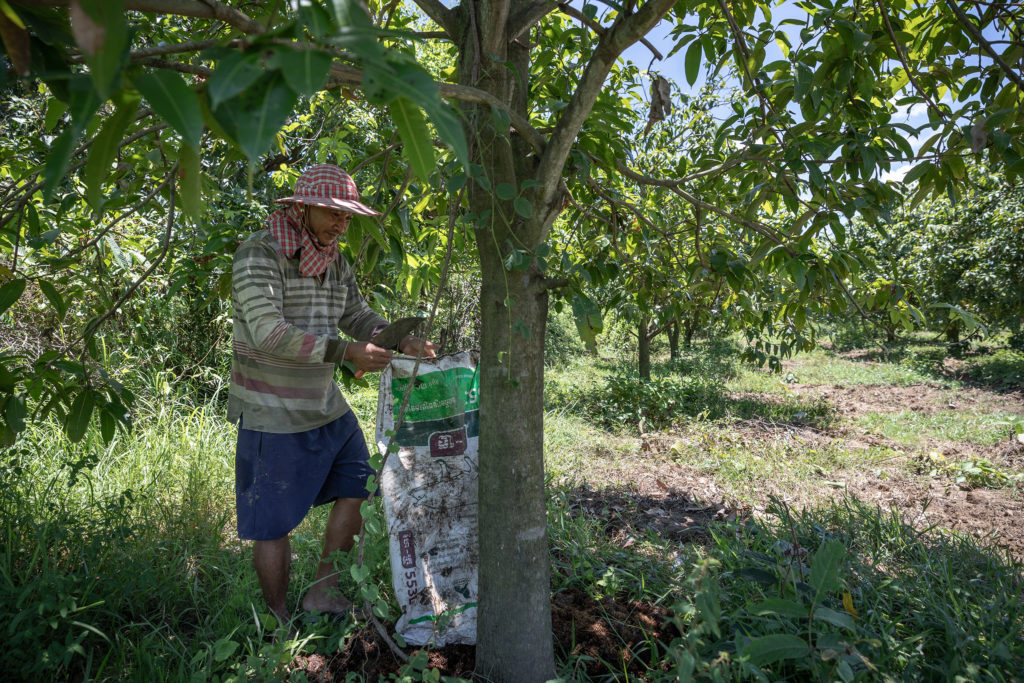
<point x="327" y="225"/>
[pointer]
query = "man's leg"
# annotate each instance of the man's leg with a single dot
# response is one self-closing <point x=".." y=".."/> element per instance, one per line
<point x="272" y="560"/>
<point x="342" y="525"/>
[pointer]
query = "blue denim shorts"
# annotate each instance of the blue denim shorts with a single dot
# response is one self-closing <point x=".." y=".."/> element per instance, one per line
<point x="280" y="477"/>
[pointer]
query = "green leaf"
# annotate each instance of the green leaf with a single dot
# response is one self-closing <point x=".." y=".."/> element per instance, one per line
<point x="10" y="292"/>
<point x="417" y="147"/>
<point x="234" y="73"/>
<point x="191" y="182"/>
<point x="780" y="607"/>
<point x="825" y="568"/>
<point x="57" y="162"/>
<point x="840" y="619"/>
<point x="774" y="648"/>
<point x="105" y="65"/>
<point x="693" y="56"/>
<point x="54" y="297"/>
<point x="917" y="172"/>
<point x="223" y="649"/>
<point x="253" y="117"/>
<point x="815" y="174"/>
<point x="54" y="110"/>
<point x="315" y="18"/>
<point x="588" y="319"/>
<point x="78" y="417"/>
<point x="175" y="102"/>
<point x="505" y="191"/>
<point x="15" y="412"/>
<point x="104" y="150"/>
<point x="305" y="71"/>
<point x="523" y="207"/>
<point x="108" y="426"/>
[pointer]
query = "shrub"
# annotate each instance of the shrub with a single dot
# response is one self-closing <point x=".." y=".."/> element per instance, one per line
<point x="626" y="399"/>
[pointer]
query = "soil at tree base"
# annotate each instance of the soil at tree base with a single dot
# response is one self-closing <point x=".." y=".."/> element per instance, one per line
<point x="605" y="635"/>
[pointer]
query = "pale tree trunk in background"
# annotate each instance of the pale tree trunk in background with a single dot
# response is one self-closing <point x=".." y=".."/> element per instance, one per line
<point x="673" y="340"/>
<point x="644" y="348"/>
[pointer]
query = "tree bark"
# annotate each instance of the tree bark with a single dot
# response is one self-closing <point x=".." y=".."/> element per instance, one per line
<point x="644" y="349"/>
<point x="673" y="340"/>
<point x="691" y="327"/>
<point x="514" y="636"/>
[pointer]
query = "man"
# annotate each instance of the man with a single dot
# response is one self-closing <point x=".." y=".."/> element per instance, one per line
<point x="299" y="445"/>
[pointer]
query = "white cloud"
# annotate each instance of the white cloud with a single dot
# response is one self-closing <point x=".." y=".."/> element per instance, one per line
<point x="897" y="174"/>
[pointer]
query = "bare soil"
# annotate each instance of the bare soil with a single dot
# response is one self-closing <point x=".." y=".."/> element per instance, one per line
<point x="676" y="491"/>
<point x="600" y="635"/>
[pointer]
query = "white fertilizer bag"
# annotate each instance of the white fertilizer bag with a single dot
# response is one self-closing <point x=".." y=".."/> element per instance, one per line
<point x="430" y="499"/>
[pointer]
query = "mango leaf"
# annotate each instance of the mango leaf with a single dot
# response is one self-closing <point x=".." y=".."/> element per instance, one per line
<point x="191" y="182"/>
<point x="106" y="61"/>
<point x="16" y="40"/>
<point x="774" y="648"/>
<point x="417" y="146"/>
<point x="316" y="19"/>
<point x="15" y="412"/>
<point x="54" y="297"/>
<point x="253" y="117"/>
<point x="54" y="110"/>
<point x="234" y="73"/>
<point x="693" y="55"/>
<point x="175" y="102"/>
<point x="9" y="293"/>
<point x="104" y="148"/>
<point x="78" y="417"/>
<point x="305" y="71"/>
<point x="108" y="426"/>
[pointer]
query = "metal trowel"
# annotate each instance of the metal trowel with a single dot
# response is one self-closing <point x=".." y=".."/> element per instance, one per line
<point x="390" y="336"/>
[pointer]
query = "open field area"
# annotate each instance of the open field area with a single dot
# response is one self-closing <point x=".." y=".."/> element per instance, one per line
<point x="854" y="517"/>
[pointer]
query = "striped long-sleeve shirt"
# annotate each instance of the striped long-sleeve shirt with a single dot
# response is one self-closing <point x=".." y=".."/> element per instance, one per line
<point x="284" y="324"/>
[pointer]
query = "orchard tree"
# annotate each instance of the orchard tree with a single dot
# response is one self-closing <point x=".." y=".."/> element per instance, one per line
<point x="538" y="88"/>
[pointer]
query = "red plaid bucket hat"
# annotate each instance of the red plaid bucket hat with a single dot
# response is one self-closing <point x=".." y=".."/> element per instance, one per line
<point x="329" y="186"/>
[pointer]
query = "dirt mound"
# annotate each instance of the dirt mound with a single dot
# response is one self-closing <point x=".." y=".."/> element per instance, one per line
<point x="605" y="635"/>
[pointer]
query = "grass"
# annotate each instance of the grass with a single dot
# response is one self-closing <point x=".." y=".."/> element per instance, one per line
<point x="913" y="429"/>
<point x="120" y="561"/>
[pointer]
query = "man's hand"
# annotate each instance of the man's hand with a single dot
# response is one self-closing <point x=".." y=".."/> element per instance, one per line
<point x="411" y="345"/>
<point x="367" y="357"/>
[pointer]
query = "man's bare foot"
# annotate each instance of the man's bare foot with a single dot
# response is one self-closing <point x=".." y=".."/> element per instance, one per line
<point x="326" y="600"/>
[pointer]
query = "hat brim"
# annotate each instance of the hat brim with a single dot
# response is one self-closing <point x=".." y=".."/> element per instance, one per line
<point x="349" y="205"/>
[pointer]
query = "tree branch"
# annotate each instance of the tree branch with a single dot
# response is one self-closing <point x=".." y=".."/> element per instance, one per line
<point x="623" y="33"/>
<point x="448" y="19"/>
<point x="342" y="74"/>
<point x="976" y="34"/>
<point x="206" y="9"/>
<point x="903" y="60"/>
<point x="529" y="16"/>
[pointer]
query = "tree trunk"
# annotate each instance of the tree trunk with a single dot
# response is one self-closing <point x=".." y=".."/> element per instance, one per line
<point x="673" y="340"/>
<point x="514" y="639"/>
<point x="691" y="327"/>
<point x="514" y="636"/>
<point x="644" y="349"/>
